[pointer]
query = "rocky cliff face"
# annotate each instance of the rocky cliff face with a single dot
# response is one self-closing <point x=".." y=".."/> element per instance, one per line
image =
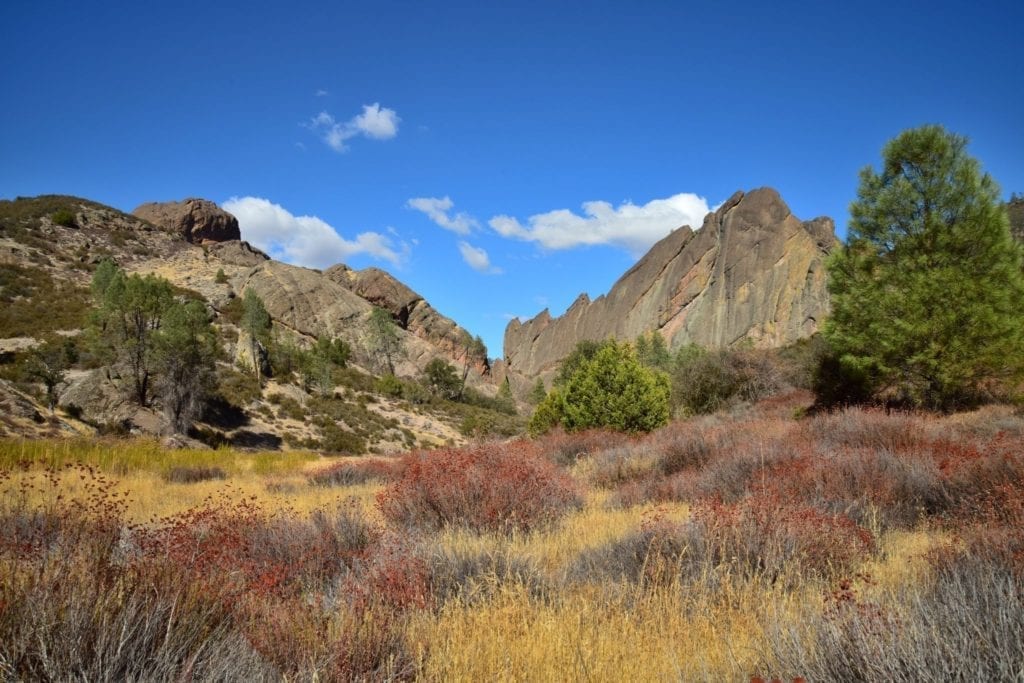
<point x="412" y="312"/>
<point x="197" y="220"/>
<point x="753" y="271"/>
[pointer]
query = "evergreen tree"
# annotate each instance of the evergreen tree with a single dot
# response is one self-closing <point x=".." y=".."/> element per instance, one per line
<point x="505" y="401"/>
<point x="319" y="363"/>
<point x="130" y="312"/>
<point x="537" y="392"/>
<point x="611" y="389"/>
<point x="441" y="378"/>
<point x="581" y="354"/>
<point x="472" y="349"/>
<point x="652" y="351"/>
<point x="256" y="324"/>
<point x="48" y="363"/>
<point x="186" y="351"/>
<point x="927" y="293"/>
<point x="383" y="340"/>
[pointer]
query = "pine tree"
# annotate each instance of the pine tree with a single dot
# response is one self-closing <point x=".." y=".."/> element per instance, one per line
<point x="611" y="389"/>
<point x="186" y="351"/>
<point x="130" y="311"/>
<point x="256" y="323"/>
<point x="928" y="293"/>
<point x="537" y="392"/>
<point x="383" y="340"/>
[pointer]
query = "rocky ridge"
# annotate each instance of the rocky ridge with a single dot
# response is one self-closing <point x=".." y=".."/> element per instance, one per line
<point x="753" y="273"/>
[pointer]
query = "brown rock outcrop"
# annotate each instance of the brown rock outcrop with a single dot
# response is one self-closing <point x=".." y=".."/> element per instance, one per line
<point x="197" y="220"/>
<point x="753" y="272"/>
<point x="411" y="311"/>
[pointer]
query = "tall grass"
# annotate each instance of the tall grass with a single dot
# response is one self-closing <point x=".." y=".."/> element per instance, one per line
<point x="144" y="455"/>
<point x="854" y="546"/>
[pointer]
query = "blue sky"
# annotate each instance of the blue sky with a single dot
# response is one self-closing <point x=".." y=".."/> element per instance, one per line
<point x="497" y="159"/>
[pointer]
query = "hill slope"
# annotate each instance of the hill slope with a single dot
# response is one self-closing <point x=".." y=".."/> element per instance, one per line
<point x="50" y="245"/>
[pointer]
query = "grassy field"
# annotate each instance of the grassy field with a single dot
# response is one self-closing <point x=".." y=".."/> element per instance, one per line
<point x="851" y="546"/>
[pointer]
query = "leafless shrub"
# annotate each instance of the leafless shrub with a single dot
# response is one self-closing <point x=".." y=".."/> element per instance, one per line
<point x="618" y="465"/>
<point x="192" y="475"/>
<point x="965" y="625"/>
<point x="473" y="576"/>
<point x="356" y="472"/>
<point x="759" y="538"/>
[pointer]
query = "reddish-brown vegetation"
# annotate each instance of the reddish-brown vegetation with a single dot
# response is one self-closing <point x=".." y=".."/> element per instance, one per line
<point x="498" y="486"/>
<point x="346" y="473"/>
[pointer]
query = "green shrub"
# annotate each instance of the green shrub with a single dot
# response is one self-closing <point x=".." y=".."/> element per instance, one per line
<point x="610" y="389"/>
<point x="706" y="381"/>
<point x="389" y="385"/>
<point x="338" y="440"/>
<point x="63" y="218"/>
<point x="237" y="388"/>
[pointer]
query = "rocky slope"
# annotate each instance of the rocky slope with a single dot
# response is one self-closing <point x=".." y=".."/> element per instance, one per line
<point x="51" y="244"/>
<point x="753" y="272"/>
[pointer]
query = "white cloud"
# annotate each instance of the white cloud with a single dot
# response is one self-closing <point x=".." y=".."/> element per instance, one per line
<point x="437" y="209"/>
<point x="477" y="259"/>
<point x="321" y="93"/>
<point x="376" y="122"/>
<point x="631" y="227"/>
<point x="304" y="240"/>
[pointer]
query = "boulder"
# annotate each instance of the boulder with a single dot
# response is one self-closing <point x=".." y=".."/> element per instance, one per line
<point x="197" y="220"/>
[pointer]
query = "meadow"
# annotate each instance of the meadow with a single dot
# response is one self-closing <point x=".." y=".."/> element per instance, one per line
<point x="857" y="545"/>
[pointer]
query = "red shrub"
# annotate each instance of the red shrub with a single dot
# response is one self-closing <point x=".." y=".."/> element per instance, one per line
<point x="769" y="537"/>
<point x="396" y="574"/>
<point x="350" y="472"/>
<point x="494" y="486"/>
<point x="564" y="448"/>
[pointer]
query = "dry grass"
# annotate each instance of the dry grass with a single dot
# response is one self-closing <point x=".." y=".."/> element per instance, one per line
<point x="304" y="589"/>
<point x="140" y="470"/>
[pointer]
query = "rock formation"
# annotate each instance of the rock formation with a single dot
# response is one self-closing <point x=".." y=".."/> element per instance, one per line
<point x="197" y="220"/>
<point x="753" y="272"/>
<point x="411" y="311"/>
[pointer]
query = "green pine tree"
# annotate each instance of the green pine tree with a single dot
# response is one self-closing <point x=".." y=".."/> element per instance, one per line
<point x="537" y="392"/>
<point x="129" y="313"/>
<point x="256" y="323"/>
<point x="927" y="293"/>
<point x="611" y="389"/>
<point x="186" y="352"/>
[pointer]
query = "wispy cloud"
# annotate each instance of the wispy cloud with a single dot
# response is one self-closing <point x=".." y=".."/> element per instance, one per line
<point x="321" y="93"/>
<point x="628" y="226"/>
<point x="305" y="240"/>
<point x="477" y="259"/>
<point x="376" y="122"/>
<point x="438" y="210"/>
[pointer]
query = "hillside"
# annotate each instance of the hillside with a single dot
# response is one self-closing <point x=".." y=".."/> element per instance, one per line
<point x="50" y="246"/>
<point x="753" y="272"/>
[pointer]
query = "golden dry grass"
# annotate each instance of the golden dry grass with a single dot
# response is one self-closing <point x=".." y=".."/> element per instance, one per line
<point x="274" y="480"/>
<point x="592" y="631"/>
